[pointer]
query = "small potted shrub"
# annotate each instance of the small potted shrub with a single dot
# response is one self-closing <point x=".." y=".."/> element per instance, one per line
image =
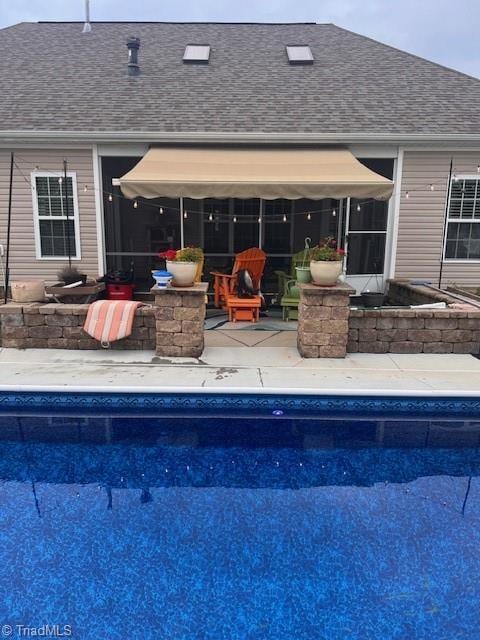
<point x="183" y="264"/>
<point x="70" y="275"/>
<point x="326" y="263"/>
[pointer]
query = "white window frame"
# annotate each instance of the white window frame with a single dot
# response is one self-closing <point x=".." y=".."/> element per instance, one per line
<point x="36" y="215"/>
<point x="459" y="176"/>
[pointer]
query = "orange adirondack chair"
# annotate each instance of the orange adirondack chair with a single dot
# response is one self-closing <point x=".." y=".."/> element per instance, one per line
<point x="225" y="285"/>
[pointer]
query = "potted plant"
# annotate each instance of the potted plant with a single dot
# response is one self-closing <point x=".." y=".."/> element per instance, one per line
<point x="303" y="273"/>
<point x="326" y="262"/>
<point x="183" y="264"/>
<point x="71" y="275"/>
<point x="302" y="270"/>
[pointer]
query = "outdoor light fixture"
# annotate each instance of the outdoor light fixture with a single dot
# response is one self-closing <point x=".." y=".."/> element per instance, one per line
<point x="85" y="188"/>
<point x="210" y="217"/>
<point x="284" y="218"/>
<point x="185" y="214"/>
<point x="234" y="218"/>
<point x="407" y="195"/>
<point x="309" y="216"/>
<point x="160" y="211"/>
<point x="110" y="197"/>
<point x="334" y="213"/>
<point x="432" y="188"/>
<point x="135" y="204"/>
<point x="358" y="207"/>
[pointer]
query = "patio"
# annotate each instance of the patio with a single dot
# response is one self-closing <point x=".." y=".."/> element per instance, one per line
<point x="234" y="370"/>
<point x="270" y="331"/>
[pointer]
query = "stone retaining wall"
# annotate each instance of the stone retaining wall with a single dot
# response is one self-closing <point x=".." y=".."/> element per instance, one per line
<point x="172" y="327"/>
<point x="403" y="293"/>
<point x="59" y="326"/>
<point x="323" y="321"/>
<point x="180" y="317"/>
<point x="413" y="331"/>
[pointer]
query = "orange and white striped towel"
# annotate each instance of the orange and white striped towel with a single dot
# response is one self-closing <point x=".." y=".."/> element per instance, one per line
<point x="110" y="320"/>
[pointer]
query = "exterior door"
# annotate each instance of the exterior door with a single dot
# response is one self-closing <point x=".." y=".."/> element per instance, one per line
<point x="365" y="232"/>
<point x="365" y="244"/>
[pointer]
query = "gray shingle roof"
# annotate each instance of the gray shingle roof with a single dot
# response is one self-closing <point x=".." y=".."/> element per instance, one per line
<point x="53" y="77"/>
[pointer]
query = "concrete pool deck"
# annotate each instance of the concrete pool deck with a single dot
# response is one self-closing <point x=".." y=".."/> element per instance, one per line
<point x="240" y="369"/>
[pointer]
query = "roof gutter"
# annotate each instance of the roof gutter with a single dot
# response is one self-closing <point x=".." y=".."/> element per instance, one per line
<point x="198" y="137"/>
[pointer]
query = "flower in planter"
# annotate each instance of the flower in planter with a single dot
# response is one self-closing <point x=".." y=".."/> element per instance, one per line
<point x="169" y="255"/>
<point x="184" y="265"/>
<point x="189" y="254"/>
<point x="327" y="251"/>
<point x="326" y="263"/>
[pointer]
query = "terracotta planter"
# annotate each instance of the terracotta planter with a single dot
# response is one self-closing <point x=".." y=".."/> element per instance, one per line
<point x="183" y="273"/>
<point x="325" y="273"/>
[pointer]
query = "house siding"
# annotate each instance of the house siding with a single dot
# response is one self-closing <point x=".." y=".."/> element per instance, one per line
<point x="421" y="218"/>
<point x="23" y="260"/>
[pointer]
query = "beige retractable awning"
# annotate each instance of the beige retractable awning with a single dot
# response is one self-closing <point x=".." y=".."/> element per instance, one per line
<point x="253" y="173"/>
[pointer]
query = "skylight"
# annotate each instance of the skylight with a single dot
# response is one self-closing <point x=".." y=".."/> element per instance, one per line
<point x="197" y="53"/>
<point x="299" y="54"/>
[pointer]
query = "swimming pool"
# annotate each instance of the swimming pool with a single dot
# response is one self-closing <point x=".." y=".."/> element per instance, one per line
<point x="209" y="526"/>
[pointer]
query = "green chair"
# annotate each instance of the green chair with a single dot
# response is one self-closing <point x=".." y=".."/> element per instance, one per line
<point x="298" y="260"/>
<point x="290" y="300"/>
<point x="287" y="287"/>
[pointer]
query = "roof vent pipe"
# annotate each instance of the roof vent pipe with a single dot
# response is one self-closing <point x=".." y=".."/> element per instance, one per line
<point x="87" y="27"/>
<point x="133" y="45"/>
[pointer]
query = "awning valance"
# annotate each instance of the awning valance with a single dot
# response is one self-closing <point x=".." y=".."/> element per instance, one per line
<point x="268" y="173"/>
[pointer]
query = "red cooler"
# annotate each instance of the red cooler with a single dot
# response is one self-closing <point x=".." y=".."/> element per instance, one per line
<point x="120" y="291"/>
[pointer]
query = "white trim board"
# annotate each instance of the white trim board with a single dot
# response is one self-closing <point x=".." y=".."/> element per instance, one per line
<point x="99" y="213"/>
<point x="36" y="226"/>
<point x="354" y="137"/>
<point x="394" y="214"/>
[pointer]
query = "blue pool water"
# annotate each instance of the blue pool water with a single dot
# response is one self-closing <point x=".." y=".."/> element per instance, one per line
<point x="233" y="528"/>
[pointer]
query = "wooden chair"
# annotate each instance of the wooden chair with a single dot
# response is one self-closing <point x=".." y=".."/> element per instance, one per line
<point x="290" y="300"/>
<point x="225" y="286"/>
<point x="298" y="259"/>
<point x="247" y="309"/>
<point x="289" y="293"/>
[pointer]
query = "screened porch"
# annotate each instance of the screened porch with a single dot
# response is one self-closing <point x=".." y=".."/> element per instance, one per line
<point x="137" y="229"/>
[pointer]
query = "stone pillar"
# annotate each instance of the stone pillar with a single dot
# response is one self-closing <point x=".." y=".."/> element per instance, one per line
<point x="323" y="320"/>
<point x="179" y="320"/>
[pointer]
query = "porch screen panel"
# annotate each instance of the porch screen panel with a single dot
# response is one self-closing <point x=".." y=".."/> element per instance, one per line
<point x="246" y="227"/>
<point x="367" y="227"/>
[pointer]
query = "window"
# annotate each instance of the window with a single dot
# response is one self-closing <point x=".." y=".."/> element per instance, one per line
<point x="55" y="209"/>
<point x="197" y="53"/>
<point x="299" y="54"/>
<point x="462" y="240"/>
